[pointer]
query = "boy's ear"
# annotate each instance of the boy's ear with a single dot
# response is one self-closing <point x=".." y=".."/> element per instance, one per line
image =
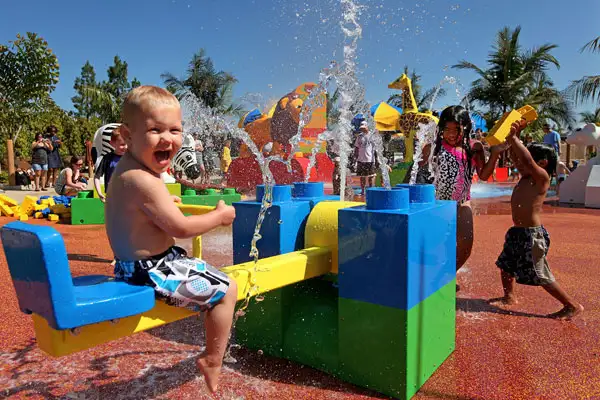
<point x="543" y="163"/>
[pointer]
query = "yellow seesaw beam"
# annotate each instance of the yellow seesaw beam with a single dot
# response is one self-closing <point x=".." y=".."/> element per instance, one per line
<point x="268" y="274"/>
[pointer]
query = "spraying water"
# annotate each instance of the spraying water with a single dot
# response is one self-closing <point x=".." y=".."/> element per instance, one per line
<point x="425" y="135"/>
<point x="447" y="79"/>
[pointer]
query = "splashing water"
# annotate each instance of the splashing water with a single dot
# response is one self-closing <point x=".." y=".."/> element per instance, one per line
<point x="447" y="79"/>
<point x="425" y="135"/>
<point x="323" y="136"/>
<point x="383" y="166"/>
<point x="347" y="85"/>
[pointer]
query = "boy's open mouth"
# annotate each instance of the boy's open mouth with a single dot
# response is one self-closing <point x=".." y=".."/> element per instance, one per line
<point x="162" y="156"/>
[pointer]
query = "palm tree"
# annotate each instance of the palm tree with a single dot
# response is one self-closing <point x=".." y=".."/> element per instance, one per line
<point x="550" y="103"/>
<point x="214" y="88"/>
<point x="588" y="87"/>
<point x="511" y="70"/>
<point x="589" y="117"/>
<point x="423" y="99"/>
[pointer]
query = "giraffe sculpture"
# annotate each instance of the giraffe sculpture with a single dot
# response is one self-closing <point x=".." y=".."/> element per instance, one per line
<point x="410" y="117"/>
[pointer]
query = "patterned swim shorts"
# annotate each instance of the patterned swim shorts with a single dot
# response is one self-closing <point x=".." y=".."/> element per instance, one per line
<point x="182" y="281"/>
<point x="524" y="255"/>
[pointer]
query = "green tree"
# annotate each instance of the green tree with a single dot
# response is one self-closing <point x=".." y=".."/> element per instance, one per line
<point x="214" y="88"/>
<point x="107" y="96"/>
<point x="515" y="77"/>
<point x="82" y="102"/>
<point x="422" y="98"/>
<point x="588" y="87"/>
<point x="589" y="117"/>
<point x="29" y="72"/>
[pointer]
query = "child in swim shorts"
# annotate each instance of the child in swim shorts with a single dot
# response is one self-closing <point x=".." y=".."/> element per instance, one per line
<point x="142" y="221"/>
<point x="526" y="245"/>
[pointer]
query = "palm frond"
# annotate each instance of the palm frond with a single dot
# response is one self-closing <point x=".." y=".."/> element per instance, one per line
<point x="593" y="45"/>
<point x="586" y="88"/>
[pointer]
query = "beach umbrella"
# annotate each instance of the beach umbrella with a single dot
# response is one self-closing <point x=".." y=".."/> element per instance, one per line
<point x="386" y="116"/>
<point x="249" y="117"/>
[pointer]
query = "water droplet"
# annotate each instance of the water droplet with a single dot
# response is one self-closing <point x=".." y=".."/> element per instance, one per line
<point x="260" y="352"/>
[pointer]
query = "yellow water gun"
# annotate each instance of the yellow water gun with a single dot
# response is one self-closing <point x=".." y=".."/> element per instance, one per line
<point x="501" y="129"/>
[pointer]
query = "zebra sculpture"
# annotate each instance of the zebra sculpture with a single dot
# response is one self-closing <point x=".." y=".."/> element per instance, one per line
<point x="184" y="161"/>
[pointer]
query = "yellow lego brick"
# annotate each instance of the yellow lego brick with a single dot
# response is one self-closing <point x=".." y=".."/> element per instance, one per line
<point x="44" y="201"/>
<point x="501" y="129"/>
<point x="6" y="210"/>
<point x="39" y="215"/>
<point x="40" y="207"/>
<point x="16" y="210"/>
<point x="51" y="202"/>
<point x="7" y="200"/>
<point x="28" y="205"/>
<point x="52" y="217"/>
<point x="23" y="217"/>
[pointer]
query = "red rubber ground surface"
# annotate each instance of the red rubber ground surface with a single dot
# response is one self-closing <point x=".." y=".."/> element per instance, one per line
<point x="510" y="353"/>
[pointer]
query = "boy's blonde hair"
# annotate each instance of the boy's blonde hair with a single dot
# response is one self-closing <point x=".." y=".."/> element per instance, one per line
<point x="142" y="98"/>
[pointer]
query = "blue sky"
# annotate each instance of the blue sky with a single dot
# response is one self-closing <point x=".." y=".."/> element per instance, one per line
<point x="272" y="46"/>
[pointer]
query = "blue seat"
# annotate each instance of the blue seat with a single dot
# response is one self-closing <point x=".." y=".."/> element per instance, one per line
<point x="38" y="264"/>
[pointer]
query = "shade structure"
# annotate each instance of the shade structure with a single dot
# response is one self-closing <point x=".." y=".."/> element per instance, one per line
<point x="386" y="116"/>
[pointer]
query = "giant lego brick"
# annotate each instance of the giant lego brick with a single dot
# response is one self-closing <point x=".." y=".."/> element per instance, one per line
<point x="397" y="257"/>
<point x="87" y="210"/>
<point x="282" y="229"/>
<point x="395" y="351"/>
<point x="210" y="197"/>
<point x="313" y="192"/>
<point x="397" y="270"/>
<point x="173" y="188"/>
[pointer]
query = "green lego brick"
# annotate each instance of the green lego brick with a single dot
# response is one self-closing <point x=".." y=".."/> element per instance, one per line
<point x="311" y="334"/>
<point x="87" y="210"/>
<point x="261" y="328"/>
<point x="210" y="199"/>
<point x="394" y="351"/>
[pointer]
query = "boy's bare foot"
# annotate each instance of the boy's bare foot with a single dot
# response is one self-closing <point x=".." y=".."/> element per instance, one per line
<point x="505" y="300"/>
<point x="210" y="370"/>
<point x="567" y="313"/>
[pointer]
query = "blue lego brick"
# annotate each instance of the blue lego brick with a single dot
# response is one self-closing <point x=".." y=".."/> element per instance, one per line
<point x="313" y="192"/>
<point x="282" y="229"/>
<point x="396" y="257"/>
<point x="38" y="265"/>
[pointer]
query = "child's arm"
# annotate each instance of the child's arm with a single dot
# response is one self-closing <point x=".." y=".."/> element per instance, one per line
<point x="485" y="170"/>
<point x="99" y="189"/>
<point x="519" y="151"/>
<point x="158" y="204"/>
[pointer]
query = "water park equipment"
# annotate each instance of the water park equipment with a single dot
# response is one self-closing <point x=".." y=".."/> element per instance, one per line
<point x="501" y="129"/>
<point x="582" y="187"/>
<point x="411" y="117"/>
<point x="365" y="292"/>
<point x="278" y="126"/>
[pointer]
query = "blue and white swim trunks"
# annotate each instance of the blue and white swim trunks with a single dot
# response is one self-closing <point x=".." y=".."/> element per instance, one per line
<point x="181" y="280"/>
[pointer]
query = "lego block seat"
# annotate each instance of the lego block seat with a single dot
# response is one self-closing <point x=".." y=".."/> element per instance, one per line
<point x="38" y="264"/>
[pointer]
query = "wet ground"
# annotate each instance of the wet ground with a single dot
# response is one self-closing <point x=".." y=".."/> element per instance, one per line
<point x="501" y="353"/>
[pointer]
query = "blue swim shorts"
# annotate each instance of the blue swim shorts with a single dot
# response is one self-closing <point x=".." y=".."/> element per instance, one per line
<point x="181" y="280"/>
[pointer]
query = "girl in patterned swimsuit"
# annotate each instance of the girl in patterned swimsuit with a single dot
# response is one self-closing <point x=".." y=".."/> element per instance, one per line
<point x="454" y="163"/>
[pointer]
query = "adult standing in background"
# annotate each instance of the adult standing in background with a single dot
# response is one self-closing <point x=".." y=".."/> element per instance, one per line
<point x="39" y="160"/>
<point x="54" y="161"/>
<point x="552" y="138"/>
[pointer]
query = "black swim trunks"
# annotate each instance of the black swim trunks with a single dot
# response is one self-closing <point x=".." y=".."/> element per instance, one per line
<point x="365" y="168"/>
<point x="524" y="255"/>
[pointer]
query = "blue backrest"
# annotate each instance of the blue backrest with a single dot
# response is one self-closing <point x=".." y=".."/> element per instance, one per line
<point x="38" y="264"/>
